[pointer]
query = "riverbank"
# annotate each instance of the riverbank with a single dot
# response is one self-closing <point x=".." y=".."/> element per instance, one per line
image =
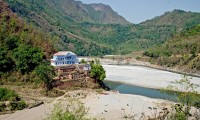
<point x="134" y="62"/>
<point x="143" y="76"/>
<point x="116" y="106"/>
<point x="101" y="105"/>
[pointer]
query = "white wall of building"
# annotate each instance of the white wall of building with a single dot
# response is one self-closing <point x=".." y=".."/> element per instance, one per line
<point x="68" y="59"/>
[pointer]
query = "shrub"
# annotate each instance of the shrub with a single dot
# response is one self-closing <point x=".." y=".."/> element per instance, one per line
<point x="18" y="105"/>
<point x="21" y="105"/>
<point x="2" y="107"/>
<point x="74" y="111"/>
<point x="13" y="106"/>
<point x="187" y="97"/>
<point x="8" y="95"/>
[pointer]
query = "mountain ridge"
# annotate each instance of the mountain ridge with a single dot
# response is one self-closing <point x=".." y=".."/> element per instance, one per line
<point x="88" y="12"/>
<point x="107" y="38"/>
<point x="178" y="18"/>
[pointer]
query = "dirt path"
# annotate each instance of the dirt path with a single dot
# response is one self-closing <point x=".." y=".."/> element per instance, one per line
<point x="36" y="113"/>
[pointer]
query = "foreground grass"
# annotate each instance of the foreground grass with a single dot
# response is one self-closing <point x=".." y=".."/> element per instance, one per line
<point x="75" y="110"/>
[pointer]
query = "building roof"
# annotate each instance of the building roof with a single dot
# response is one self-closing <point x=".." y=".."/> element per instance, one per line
<point x="64" y="53"/>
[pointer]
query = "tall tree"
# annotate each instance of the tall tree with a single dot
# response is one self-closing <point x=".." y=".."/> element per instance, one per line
<point x="97" y="71"/>
<point x="27" y="58"/>
<point x="45" y="73"/>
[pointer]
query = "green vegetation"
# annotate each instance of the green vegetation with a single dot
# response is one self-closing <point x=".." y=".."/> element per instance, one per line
<point x="27" y="58"/>
<point x="75" y="111"/>
<point x="186" y="107"/>
<point x="188" y="97"/>
<point x="83" y="61"/>
<point x="45" y="74"/>
<point x="18" y="105"/>
<point x="23" y="50"/>
<point x="15" y="101"/>
<point x="80" y="33"/>
<point x="61" y="27"/>
<point x="97" y="71"/>
<point x="8" y="95"/>
<point x="175" y="18"/>
<point x="182" y="50"/>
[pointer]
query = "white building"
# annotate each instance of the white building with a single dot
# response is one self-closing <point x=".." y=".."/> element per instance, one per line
<point x="64" y="58"/>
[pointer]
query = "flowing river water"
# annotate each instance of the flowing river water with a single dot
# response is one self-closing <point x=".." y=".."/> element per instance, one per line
<point x="142" y="80"/>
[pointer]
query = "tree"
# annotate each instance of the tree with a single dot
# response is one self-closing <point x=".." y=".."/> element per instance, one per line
<point x="83" y="61"/>
<point x="97" y="71"/>
<point x="45" y="73"/>
<point x="5" y="61"/>
<point x="27" y="58"/>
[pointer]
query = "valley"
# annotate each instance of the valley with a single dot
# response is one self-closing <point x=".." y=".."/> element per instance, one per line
<point x="107" y="37"/>
<point x="109" y="68"/>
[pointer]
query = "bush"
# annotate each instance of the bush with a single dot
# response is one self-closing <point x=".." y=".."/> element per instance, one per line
<point x="15" y="101"/>
<point x="18" y="105"/>
<point x="13" y="106"/>
<point x="21" y="105"/>
<point x="2" y="107"/>
<point x="74" y="111"/>
<point x="8" y="95"/>
<point x="187" y="96"/>
<point x="154" y="54"/>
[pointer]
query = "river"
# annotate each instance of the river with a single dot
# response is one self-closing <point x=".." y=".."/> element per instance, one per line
<point x="139" y="80"/>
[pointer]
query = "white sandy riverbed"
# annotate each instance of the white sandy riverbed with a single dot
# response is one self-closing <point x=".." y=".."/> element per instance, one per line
<point x="143" y="76"/>
<point x="115" y="106"/>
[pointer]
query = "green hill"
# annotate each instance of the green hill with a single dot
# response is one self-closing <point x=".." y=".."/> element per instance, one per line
<point x="179" y="18"/>
<point x="60" y="26"/>
<point x="183" y="50"/>
<point x="86" y="29"/>
<point x="22" y="47"/>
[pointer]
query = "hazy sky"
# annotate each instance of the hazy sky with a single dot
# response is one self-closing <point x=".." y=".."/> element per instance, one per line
<point x="137" y="11"/>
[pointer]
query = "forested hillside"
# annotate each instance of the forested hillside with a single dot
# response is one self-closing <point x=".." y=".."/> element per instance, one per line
<point x="85" y="36"/>
<point x="41" y="14"/>
<point x="23" y="49"/>
<point x="183" y="50"/>
<point x="179" y="18"/>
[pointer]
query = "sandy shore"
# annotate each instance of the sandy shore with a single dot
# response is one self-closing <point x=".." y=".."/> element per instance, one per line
<point x="143" y="76"/>
<point x="115" y="106"/>
<point x="108" y="105"/>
